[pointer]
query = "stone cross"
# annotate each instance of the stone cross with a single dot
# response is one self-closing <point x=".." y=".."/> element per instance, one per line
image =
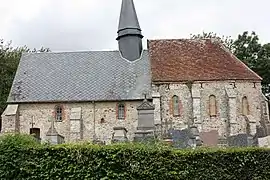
<point x="52" y="134"/>
<point x="52" y="128"/>
<point x="32" y="122"/>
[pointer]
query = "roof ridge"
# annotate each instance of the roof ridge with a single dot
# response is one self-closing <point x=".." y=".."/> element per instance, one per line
<point x="175" y="39"/>
<point x="65" y="52"/>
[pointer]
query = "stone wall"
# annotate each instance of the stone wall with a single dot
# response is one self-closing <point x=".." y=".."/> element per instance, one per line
<point x="10" y="119"/>
<point x="194" y="109"/>
<point x="194" y="99"/>
<point x="91" y="122"/>
<point x="166" y="93"/>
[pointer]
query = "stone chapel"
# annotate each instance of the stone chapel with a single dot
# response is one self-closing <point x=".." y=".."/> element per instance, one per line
<point x="87" y="94"/>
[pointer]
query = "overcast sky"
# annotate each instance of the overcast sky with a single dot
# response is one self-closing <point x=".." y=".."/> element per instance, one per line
<point x="68" y="25"/>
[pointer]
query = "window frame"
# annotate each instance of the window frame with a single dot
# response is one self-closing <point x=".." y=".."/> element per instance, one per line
<point x="121" y="111"/>
<point x="247" y="106"/>
<point x="175" y="106"/>
<point x="58" y="113"/>
<point x="212" y="113"/>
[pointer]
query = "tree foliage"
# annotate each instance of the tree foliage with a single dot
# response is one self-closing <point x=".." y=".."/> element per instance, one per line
<point x="249" y="50"/>
<point x="9" y="60"/>
<point x="227" y="41"/>
<point x="255" y="55"/>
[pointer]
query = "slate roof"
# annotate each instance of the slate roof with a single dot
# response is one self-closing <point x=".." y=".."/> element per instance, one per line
<point x="190" y="60"/>
<point x="128" y="16"/>
<point x="80" y="76"/>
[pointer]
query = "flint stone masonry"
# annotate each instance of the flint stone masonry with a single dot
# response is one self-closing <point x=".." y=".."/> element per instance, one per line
<point x="156" y="102"/>
<point x="195" y="106"/>
<point x="91" y="126"/>
<point x="10" y="121"/>
<point x="76" y="124"/>
<point x="88" y="121"/>
<point x="167" y="91"/>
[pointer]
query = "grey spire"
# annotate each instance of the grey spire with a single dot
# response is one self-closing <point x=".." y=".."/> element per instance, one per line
<point x="129" y="32"/>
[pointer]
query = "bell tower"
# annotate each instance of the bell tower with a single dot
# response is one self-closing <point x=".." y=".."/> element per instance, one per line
<point x="129" y="32"/>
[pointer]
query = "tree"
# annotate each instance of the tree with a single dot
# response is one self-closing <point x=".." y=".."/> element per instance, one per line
<point x="227" y="41"/>
<point x="247" y="48"/>
<point x="9" y="60"/>
<point x="256" y="56"/>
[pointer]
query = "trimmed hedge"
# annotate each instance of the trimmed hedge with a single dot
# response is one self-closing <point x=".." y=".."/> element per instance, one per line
<point x="129" y="161"/>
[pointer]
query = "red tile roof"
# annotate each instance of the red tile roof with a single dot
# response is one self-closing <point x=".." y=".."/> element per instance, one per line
<point x="195" y="60"/>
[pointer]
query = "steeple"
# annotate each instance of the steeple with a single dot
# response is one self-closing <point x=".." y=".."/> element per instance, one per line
<point x="129" y="32"/>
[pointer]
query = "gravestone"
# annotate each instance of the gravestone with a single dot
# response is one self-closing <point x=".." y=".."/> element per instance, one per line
<point x="146" y="124"/>
<point x="52" y="135"/>
<point x="260" y="132"/>
<point x="268" y="129"/>
<point x="222" y="142"/>
<point x="241" y="140"/>
<point x="195" y="134"/>
<point x="264" y="142"/>
<point x="146" y="116"/>
<point x="209" y="138"/>
<point x="119" y="134"/>
<point x="144" y="135"/>
<point x="182" y="138"/>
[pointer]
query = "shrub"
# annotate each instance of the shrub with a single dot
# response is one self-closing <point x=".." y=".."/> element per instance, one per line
<point x="17" y="140"/>
<point x="132" y="161"/>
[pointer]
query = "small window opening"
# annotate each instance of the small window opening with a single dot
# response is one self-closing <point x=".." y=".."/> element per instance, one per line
<point x="176" y="106"/>
<point x="121" y="111"/>
<point x="245" y="108"/>
<point x="212" y="106"/>
<point x="58" y="113"/>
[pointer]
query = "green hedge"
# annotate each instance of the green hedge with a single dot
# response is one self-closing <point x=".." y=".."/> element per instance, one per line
<point x="129" y="161"/>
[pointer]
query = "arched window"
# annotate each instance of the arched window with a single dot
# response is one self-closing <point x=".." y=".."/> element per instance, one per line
<point x="58" y="113"/>
<point x="245" y="108"/>
<point x="121" y="111"/>
<point x="175" y="103"/>
<point x="212" y="106"/>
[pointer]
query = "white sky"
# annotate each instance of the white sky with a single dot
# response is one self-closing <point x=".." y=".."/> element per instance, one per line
<point x="68" y="25"/>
